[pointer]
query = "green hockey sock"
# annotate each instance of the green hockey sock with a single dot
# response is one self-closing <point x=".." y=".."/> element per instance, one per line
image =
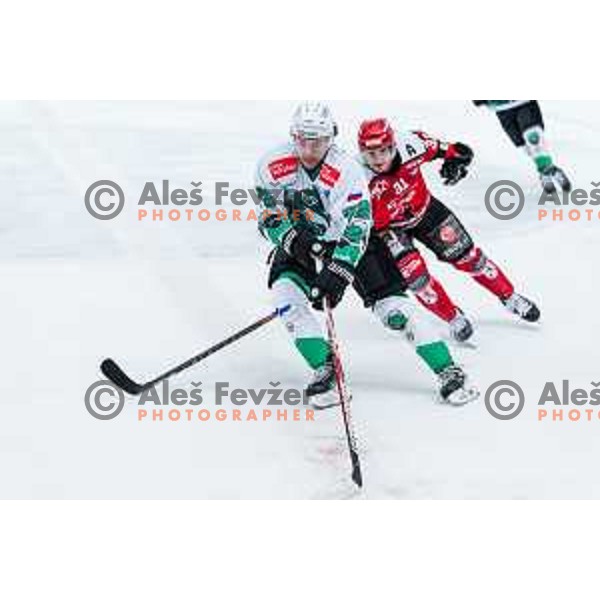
<point x="436" y="355"/>
<point x="314" y="350"/>
<point x="543" y="162"/>
<point x="534" y="139"/>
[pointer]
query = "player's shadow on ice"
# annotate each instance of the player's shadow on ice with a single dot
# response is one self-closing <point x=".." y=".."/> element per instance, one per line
<point x="503" y="323"/>
<point x="392" y="386"/>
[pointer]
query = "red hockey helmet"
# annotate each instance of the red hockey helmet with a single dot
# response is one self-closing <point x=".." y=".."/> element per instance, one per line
<point x="376" y="133"/>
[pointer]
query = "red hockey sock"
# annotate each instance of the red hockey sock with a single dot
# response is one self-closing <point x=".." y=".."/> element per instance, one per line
<point x="428" y="290"/>
<point x="434" y="298"/>
<point x="486" y="273"/>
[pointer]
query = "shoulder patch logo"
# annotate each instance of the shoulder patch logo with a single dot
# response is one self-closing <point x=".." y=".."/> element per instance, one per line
<point x="448" y="234"/>
<point x="282" y="167"/>
<point x="329" y="175"/>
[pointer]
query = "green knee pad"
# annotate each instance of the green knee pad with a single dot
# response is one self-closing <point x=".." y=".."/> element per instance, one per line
<point x="396" y="321"/>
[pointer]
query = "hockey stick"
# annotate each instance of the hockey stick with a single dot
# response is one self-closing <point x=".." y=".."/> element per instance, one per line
<point x="114" y="373"/>
<point x="344" y="395"/>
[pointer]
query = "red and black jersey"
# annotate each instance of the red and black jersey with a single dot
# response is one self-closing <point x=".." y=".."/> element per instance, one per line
<point x="401" y="197"/>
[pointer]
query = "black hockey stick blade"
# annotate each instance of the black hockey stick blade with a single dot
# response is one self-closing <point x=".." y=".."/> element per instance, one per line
<point x="113" y="372"/>
<point x="356" y="471"/>
<point x="116" y="375"/>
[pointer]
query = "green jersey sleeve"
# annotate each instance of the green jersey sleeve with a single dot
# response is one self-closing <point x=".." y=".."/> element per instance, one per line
<point x="357" y="213"/>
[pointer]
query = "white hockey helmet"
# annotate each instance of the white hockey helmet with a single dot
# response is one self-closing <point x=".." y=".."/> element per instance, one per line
<point x="313" y="120"/>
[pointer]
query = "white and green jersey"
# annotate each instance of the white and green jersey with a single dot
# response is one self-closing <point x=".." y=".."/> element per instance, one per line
<point x="332" y="200"/>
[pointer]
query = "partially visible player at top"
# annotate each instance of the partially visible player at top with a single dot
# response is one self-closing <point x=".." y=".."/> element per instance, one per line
<point x="404" y="210"/>
<point x="326" y="192"/>
<point x="523" y="122"/>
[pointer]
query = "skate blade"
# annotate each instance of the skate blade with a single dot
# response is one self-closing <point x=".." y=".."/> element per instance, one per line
<point x="470" y="344"/>
<point x="462" y="397"/>
<point x="521" y="321"/>
<point x="324" y="401"/>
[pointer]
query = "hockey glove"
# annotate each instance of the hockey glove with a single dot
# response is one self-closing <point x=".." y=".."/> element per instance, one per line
<point x="331" y="283"/>
<point x="458" y="158"/>
<point x="303" y="246"/>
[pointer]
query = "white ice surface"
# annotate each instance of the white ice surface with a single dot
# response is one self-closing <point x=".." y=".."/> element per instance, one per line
<point x="76" y="290"/>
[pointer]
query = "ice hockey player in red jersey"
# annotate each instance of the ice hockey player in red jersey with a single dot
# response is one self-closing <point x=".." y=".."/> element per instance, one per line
<point x="404" y="210"/>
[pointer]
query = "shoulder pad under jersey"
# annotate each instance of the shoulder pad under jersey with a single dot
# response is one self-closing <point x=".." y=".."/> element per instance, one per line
<point x="413" y="144"/>
<point x="341" y="166"/>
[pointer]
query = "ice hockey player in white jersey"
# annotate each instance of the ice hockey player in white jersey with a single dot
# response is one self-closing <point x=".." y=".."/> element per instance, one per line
<point x="317" y="211"/>
<point x="523" y="122"/>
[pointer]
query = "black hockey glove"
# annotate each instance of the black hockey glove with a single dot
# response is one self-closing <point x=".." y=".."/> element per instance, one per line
<point x="303" y="246"/>
<point x="331" y="283"/>
<point x="456" y="165"/>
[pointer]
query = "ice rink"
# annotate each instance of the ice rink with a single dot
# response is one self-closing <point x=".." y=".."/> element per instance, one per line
<point x="151" y="294"/>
